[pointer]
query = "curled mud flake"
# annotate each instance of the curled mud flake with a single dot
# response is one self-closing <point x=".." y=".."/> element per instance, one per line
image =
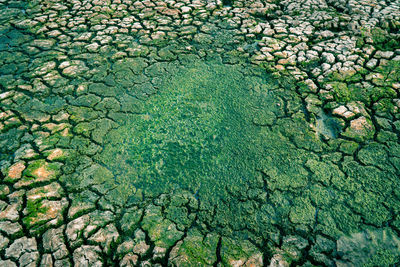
<point x="56" y="154"/>
<point x="360" y="129"/>
<point x="15" y="171"/>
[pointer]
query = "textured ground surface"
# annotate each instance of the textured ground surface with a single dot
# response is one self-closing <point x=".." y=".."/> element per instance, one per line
<point x="200" y="133"/>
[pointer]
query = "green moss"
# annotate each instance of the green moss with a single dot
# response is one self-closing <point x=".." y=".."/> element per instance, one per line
<point x="369" y="177"/>
<point x="345" y="88"/>
<point x="374" y="154"/>
<point x="384" y="106"/>
<point x="336" y="220"/>
<point x="386" y="136"/>
<point x="362" y="131"/>
<point x="40" y="169"/>
<point x="348" y="147"/>
<point x="383" y="257"/>
<point x="130" y="220"/>
<point x="302" y="211"/>
<point x="224" y="135"/>
<point x="84" y="128"/>
<point x="191" y="131"/>
<point x="383" y="92"/>
<point x="161" y="231"/>
<point x="371" y="207"/>
<point x="79" y="114"/>
<point x="323" y="171"/>
<point x="319" y="195"/>
<point x="34" y="208"/>
<point x="196" y="250"/>
<point x="383" y="40"/>
<point x="341" y="92"/>
<point x="179" y="215"/>
<point x="233" y="251"/>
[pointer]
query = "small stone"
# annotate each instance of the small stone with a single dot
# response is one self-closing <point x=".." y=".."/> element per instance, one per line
<point x="93" y="47"/>
<point x="186" y="9"/>
<point x="243" y="253"/>
<point x="45" y="68"/>
<point x="11" y="212"/>
<point x="339" y="110"/>
<point x="125" y="247"/>
<point x="141" y="248"/>
<point x="325" y="66"/>
<point x="159" y="253"/>
<point x="186" y="30"/>
<point x="86" y="36"/>
<point x="158" y="35"/>
<point x="29" y="259"/>
<point x="26" y="23"/>
<point x="38" y="171"/>
<point x="62" y="263"/>
<point x="374" y="76"/>
<point x="26" y="151"/>
<point x="311" y="85"/>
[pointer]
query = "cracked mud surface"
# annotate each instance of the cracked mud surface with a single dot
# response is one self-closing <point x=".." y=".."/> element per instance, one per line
<point x="199" y="133"/>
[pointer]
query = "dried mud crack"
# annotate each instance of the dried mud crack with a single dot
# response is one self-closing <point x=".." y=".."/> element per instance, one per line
<point x="199" y="133"/>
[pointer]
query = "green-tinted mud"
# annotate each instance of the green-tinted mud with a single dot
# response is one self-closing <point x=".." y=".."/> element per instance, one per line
<point x="196" y="133"/>
<point x="239" y="141"/>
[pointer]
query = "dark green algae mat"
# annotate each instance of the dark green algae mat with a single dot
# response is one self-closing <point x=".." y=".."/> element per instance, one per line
<point x="240" y="142"/>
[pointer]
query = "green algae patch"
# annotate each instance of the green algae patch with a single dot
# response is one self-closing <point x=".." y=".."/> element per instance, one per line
<point x="228" y="134"/>
<point x="196" y="133"/>
<point x="239" y="143"/>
